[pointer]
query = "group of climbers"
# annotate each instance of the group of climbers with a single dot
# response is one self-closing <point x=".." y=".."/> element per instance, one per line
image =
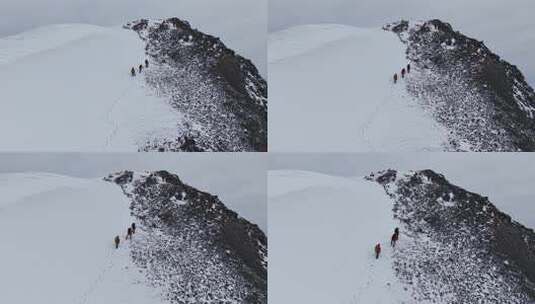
<point x="129" y="232"/>
<point x="140" y="69"/>
<point x="393" y="241"/>
<point x="403" y="72"/>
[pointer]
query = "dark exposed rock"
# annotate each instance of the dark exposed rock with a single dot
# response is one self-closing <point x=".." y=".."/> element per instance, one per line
<point x="399" y="27"/>
<point x="220" y="93"/>
<point x="480" y="98"/>
<point x="121" y="179"/>
<point x="192" y="245"/>
<point x="456" y="246"/>
<point x="229" y="67"/>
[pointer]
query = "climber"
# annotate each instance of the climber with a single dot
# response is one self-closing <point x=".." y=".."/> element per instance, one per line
<point x="395" y="77"/>
<point x="133" y="228"/>
<point x="408" y="68"/>
<point x="394" y="239"/>
<point x="117" y="241"/>
<point x="377" y="250"/>
<point x="140" y="68"/>
<point x="403" y="73"/>
<point x="133" y="72"/>
<point x="129" y="233"/>
<point x="146" y="63"/>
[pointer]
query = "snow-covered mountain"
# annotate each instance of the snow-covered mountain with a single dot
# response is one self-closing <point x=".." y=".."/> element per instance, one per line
<point x="337" y="81"/>
<point x="69" y="88"/>
<point x="57" y="242"/>
<point x="195" y="248"/>
<point x="483" y="101"/>
<point x="221" y="94"/>
<point x="454" y="246"/>
<point x="322" y="230"/>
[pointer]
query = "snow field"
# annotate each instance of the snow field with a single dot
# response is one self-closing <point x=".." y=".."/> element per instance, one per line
<point x="56" y="242"/>
<point x="68" y="88"/>
<point x="322" y="232"/>
<point x="331" y="89"/>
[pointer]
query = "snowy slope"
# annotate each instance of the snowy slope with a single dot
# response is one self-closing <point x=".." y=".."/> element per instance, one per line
<point x="484" y="101"/>
<point x="455" y="246"/>
<point x="221" y="94"/>
<point x="332" y="90"/>
<point x="194" y="248"/>
<point x="322" y="232"/>
<point x="56" y="242"/>
<point x="68" y="87"/>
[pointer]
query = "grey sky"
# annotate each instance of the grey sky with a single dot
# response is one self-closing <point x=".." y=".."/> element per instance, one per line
<point x="506" y="178"/>
<point x="241" y="24"/>
<point x="506" y="27"/>
<point x="239" y="179"/>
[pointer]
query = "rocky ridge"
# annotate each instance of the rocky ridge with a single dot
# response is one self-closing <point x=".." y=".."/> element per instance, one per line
<point x="190" y="245"/>
<point x="221" y="94"/>
<point x="484" y="101"/>
<point x="455" y="245"/>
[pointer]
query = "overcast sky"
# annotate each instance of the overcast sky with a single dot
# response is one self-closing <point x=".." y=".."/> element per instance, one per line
<point x="506" y="26"/>
<point x="240" y="23"/>
<point x="239" y="179"/>
<point x="506" y="178"/>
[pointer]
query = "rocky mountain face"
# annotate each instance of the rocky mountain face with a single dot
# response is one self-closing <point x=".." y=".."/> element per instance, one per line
<point x="222" y="96"/>
<point x="190" y="245"/>
<point x="455" y="245"/>
<point x="482" y="100"/>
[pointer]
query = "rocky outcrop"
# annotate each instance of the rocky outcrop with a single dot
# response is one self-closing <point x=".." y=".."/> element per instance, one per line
<point x="455" y="245"/>
<point x="221" y="94"/>
<point x="483" y="101"/>
<point x="191" y="245"/>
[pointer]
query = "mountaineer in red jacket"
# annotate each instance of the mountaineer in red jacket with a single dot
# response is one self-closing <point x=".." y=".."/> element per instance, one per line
<point x="377" y="250"/>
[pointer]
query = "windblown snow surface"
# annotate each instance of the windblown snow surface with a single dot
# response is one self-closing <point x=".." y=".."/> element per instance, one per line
<point x="68" y="88"/>
<point x="323" y="230"/>
<point x="332" y="90"/>
<point x="56" y="242"/>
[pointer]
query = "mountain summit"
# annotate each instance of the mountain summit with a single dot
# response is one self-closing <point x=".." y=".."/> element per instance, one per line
<point x="192" y="246"/>
<point x="408" y="86"/>
<point x="484" y="101"/>
<point x="187" y="246"/>
<point x="457" y="246"/>
<point x="148" y="86"/>
<point x="221" y="94"/>
<point x="452" y="245"/>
